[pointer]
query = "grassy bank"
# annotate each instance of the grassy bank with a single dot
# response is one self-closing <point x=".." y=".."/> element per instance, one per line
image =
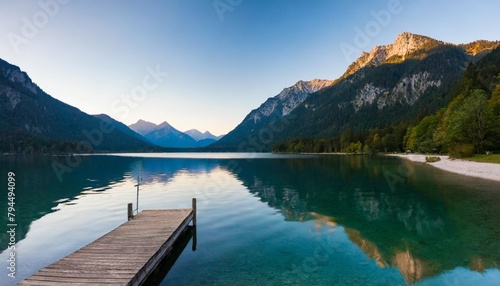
<point x="493" y="158"/>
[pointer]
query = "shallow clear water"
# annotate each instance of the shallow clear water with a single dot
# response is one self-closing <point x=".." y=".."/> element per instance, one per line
<point x="268" y="219"/>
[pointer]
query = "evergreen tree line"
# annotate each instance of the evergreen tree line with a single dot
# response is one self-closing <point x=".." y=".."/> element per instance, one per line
<point x="26" y="144"/>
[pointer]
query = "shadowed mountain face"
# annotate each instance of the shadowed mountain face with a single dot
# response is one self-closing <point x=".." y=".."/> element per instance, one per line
<point x="33" y="121"/>
<point x="412" y="217"/>
<point x="121" y="127"/>
<point x="165" y="135"/>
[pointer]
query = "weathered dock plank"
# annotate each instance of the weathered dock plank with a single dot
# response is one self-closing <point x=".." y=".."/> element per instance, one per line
<point x="124" y="256"/>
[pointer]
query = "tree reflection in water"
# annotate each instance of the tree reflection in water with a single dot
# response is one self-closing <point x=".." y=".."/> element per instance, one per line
<point x="429" y="222"/>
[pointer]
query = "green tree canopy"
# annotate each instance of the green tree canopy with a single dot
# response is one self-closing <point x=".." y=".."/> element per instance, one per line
<point x="473" y="122"/>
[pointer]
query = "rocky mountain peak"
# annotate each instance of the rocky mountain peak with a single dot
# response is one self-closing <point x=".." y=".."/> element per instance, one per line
<point x="143" y="127"/>
<point x="289" y="98"/>
<point x="404" y="45"/>
<point x="198" y="135"/>
<point x="140" y="121"/>
<point x="15" y="75"/>
<point x="164" y="124"/>
<point x="304" y="87"/>
<point x="407" y="43"/>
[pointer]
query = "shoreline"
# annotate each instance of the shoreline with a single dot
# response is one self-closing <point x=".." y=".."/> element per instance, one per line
<point x="489" y="171"/>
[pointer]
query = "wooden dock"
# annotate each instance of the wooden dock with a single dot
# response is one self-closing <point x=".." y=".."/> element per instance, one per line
<point x="126" y="255"/>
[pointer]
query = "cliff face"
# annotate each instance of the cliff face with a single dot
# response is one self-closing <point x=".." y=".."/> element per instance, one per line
<point x="407" y="91"/>
<point x="288" y="99"/>
<point x="15" y="75"/>
<point x="403" y="47"/>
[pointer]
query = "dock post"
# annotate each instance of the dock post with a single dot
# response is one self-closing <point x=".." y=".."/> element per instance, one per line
<point x="195" y="240"/>
<point x="130" y="212"/>
<point x="194" y="211"/>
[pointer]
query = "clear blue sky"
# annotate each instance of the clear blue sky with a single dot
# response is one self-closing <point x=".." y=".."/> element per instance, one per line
<point x="223" y="58"/>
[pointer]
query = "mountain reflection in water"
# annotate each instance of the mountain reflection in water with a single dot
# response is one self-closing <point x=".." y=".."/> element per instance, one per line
<point x="431" y="222"/>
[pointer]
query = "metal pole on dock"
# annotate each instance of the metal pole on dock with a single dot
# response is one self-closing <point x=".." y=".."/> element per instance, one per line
<point x="139" y="179"/>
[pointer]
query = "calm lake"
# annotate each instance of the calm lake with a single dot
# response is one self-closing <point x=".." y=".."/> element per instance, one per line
<point x="266" y="219"/>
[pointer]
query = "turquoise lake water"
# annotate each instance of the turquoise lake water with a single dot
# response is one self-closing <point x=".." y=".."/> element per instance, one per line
<point x="266" y="219"/>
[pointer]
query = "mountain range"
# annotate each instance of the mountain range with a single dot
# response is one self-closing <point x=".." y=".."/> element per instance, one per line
<point x="165" y="135"/>
<point x="408" y="79"/>
<point x="198" y="135"/>
<point x="393" y="84"/>
<point x="31" y="121"/>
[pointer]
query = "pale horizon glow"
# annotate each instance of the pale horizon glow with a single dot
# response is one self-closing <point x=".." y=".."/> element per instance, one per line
<point x="214" y="63"/>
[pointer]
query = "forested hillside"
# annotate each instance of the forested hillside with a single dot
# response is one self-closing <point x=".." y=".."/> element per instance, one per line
<point x="469" y="122"/>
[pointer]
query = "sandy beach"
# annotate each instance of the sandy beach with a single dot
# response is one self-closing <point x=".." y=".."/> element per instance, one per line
<point x="488" y="171"/>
